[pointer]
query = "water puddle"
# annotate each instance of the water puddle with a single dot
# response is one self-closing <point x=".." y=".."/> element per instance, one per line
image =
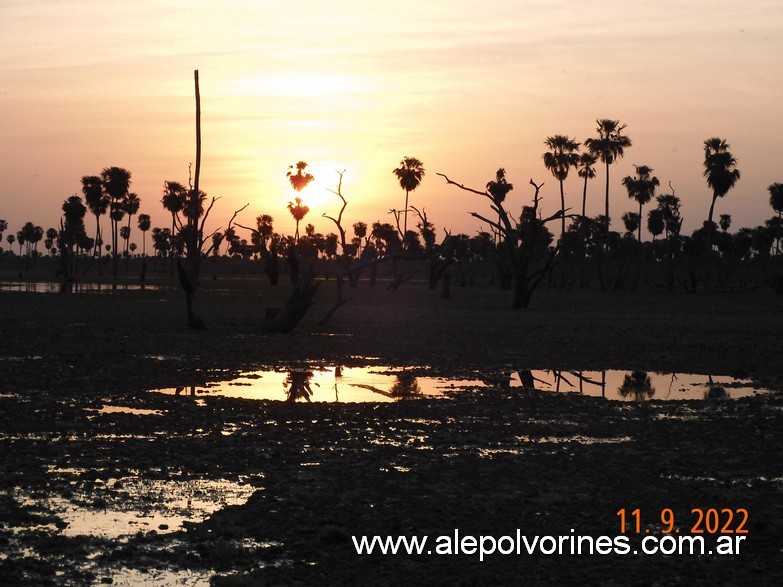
<point x="637" y="385"/>
<point x="58" y="287"/>
<point x="386" y="384"/>
<point x="128" y="410"/>
<point x="130" y="505"/>
<point x="331" y="384"/>
<point x="126" y="577"/>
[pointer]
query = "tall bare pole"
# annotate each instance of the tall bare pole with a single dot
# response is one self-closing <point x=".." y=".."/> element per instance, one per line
<point x="198" y="144"/>
<point x="192" y="235"/>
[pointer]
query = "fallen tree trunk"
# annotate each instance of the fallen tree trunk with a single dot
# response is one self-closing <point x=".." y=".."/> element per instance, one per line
<point x="296" y="306"/>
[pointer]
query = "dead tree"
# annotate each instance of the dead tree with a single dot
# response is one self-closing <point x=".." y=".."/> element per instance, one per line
<point x="190" y="292"/>
<point x="192" y="231"/>
<point x="295" y="308"/>
<point x="523" y="240"/>
<point x="346" y="257"/>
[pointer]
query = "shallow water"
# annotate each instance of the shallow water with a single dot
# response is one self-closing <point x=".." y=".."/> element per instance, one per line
<point x="334" y="384"/>
<point x="130" y="505"/>
<point x="128" y="410"/>
<point x="637" y="385"/>
<point x="56" y="287"/>
<point x="385" y="384"/>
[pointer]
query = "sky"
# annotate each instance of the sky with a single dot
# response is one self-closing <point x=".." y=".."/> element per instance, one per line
<point x="466" y="86"/>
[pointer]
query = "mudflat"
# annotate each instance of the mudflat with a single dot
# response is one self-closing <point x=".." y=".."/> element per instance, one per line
<point x="485" y="462"/>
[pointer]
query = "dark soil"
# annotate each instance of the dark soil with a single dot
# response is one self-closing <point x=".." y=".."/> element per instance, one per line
<point x="486" y="462"/>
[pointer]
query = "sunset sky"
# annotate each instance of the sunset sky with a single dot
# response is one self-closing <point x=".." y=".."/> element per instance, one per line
<point x="466" y="86"/>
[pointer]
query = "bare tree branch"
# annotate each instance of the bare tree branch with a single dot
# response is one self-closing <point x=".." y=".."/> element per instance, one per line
<point x="462" y="187"/>
<point x="206" y="214"/>
<point x="493" y="224"/>
<point x="228" y="226"/>
<point x="397" y="214"/>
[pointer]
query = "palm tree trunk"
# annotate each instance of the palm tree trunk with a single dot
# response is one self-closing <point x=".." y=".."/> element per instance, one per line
<point x="114" y="244"/>
<point x="405" y="221"/>
<point x="606" y="221"/>
<point x="584" y="198"/>
<point x="97" y="234"/>
<point x="98" y="244"/>
<point x="127" y="242"/>
<point x="708" y="260"/>
<point x="712" y="207"/>
<point x="171" y="245"/>
<point x="562" y="211"/>
<point x="639" y="238"/>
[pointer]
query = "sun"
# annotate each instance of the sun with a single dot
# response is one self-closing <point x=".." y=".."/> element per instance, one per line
<point x="319" y="194"/>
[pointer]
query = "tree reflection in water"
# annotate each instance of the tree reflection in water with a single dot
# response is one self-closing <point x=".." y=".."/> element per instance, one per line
<point x="405" y="385"/>
<point x="638" y="385"/>
<point x="715" y="391"/>
<point x="297" y="385"/>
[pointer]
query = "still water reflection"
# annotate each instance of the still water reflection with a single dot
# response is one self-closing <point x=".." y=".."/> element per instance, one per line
<point x="636" y="385"/>
<point x="332" y="384"/>
<point x="59" y="287"/>
<point x="383" y="384"/>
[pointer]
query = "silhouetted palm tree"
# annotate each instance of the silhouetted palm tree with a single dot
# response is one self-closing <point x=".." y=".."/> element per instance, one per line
<point x="36" y="236"/>
<point x="560" y="158"/>
<point x="299" y="180"/>
<point x="632" y="222"/>
<point x="116" y="183"/>
<point x="28" y="236"/>
<point x="405" y="385"/>
<point x="132" y="204"/>
<point x="74" y="211"/>
<point x="98" y="203"/>
<point x="720" y="170"/>
<point x="359" y="232"/>
<point x="298" y="211"/>
<point x="193" y="208"/>
<point x="161" y="240"/>
<point x="297" y="384"/>
<point x="638" y="385"/>
<point x="776" y="202"/>
<point x="775" y="198"/>
<point x="499" y="189"/>
<point x="144" y="225"/>
<point x="609" y="146"/>
<point x="3" y="228"/>
<point x="586" y="170"/>
<point x="125" y="235"/>
<point x="174" y="196"/>
<point x="655" y="222"/>
<point x="51" y="235"/>
<point x="409" y="174"/>
<point x="32" y="236"/>
<point x="641" y="188"/>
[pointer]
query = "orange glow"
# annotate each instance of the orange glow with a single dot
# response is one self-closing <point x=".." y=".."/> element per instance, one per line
<point x="358" y="86"/>
<point x="297" y="85"/>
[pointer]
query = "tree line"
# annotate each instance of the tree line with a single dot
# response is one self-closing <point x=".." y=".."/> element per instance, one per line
<point x="520" y="247"/>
